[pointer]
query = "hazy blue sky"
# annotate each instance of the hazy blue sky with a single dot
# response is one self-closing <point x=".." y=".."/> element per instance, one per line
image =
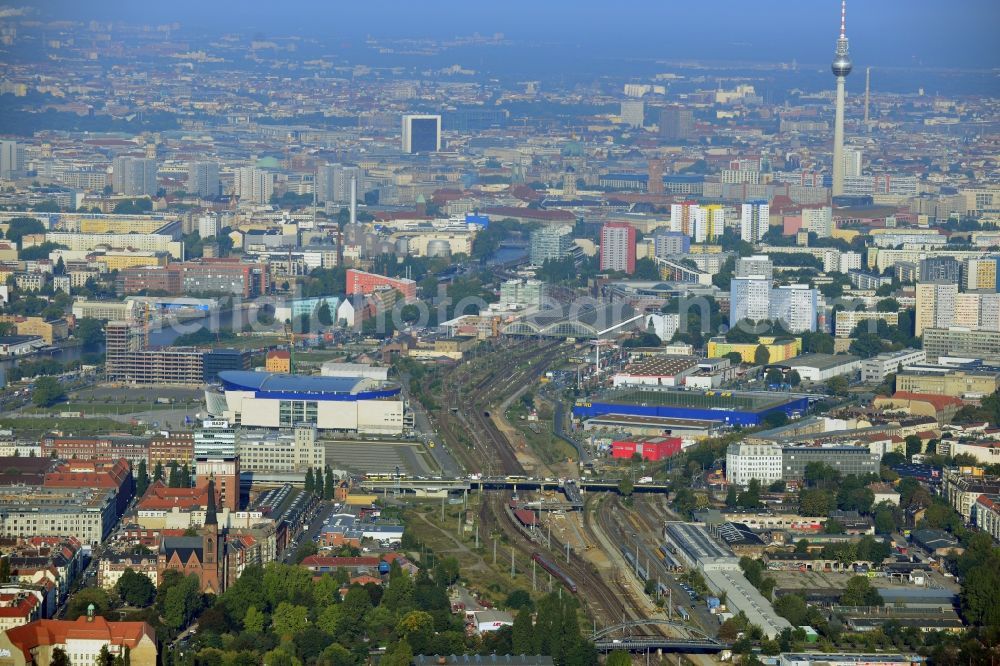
<point x="928" y="33"/>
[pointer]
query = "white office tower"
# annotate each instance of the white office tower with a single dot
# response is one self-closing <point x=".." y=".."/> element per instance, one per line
<point x="852" y="162"/>
<point x="795" y="307"/>
<point x="333" y="183"/>
<point x="11" y="160"/>
<point x="633" y="113"/>
<point x="208" y="226"/>
<point x="746" y="462"/>
<point x="133" y="176"/>
<point x="215" y="439"/>
<point x="818" y="220"/>
<point x="750" y="298"/>
<point x="754" y="221"/>
<point x="841" y="68"/>
<point x="253" y="185"/>
<point x="683" y="217"/>
<point x="203" y="179"/>
<point x="758" y="264"/>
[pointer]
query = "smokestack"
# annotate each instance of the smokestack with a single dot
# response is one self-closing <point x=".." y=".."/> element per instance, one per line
<point x="354" y="199"/>
<point x="868" y="90"/>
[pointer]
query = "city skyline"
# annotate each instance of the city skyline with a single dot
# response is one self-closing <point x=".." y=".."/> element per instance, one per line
<point x="768" y="31"/>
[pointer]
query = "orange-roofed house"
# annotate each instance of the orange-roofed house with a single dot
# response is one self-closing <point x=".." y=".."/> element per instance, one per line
<point x="82" y="639"/>
<point x="18" y="607"/>
<point x="940" y="407"/>
<point x="278" y="360"/>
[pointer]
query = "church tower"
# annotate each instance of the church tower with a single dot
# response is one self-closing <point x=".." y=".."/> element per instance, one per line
<point x="211" y="574"/>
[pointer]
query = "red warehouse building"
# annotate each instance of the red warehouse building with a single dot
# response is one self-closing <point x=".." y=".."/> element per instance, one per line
<point x="364" y="284"/>
<point x="649" y="448"/>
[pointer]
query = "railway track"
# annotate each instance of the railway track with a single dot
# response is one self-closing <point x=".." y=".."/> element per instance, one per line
<point x="603" y="602"/>
<point x="492" y="452"/>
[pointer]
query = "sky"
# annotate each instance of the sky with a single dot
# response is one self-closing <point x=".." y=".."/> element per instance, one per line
<point x="893" y="33"/>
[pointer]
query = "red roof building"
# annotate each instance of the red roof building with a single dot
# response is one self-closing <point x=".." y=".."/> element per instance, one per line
<point x="648" y="448"/>
<point x="81" y="639"/>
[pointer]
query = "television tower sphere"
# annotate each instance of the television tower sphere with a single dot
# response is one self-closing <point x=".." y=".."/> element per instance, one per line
<point x="841" y="65"/>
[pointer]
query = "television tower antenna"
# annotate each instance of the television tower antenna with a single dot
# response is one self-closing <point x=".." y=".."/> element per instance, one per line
<point x="841" y="67"/>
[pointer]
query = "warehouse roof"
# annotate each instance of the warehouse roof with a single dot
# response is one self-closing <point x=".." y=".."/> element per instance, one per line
<point x="819" y="361"/>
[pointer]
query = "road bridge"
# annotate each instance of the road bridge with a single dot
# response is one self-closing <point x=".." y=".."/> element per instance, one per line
<point x="620" y="637"/>
<point x="570" y="487"/>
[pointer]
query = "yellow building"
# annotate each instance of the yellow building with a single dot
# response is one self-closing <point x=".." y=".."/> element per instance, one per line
<point x="121" y="225"/>
<point x="778" y="350"/>
<point x="981" y="274"/>
<point x="705" y="249"/>
<point x="122" y="260"/>
<point x="48" y="331"/>
<point x="955" y="384"/>
<point x="844" y="234"/>
<point x="278" y="360"/>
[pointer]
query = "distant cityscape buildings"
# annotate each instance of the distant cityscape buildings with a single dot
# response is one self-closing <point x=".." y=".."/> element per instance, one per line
<point x="618" y="247"/>
<point x="203" y="179"/>
<point x="134" y="176"/>
<point x="421" y="133"/>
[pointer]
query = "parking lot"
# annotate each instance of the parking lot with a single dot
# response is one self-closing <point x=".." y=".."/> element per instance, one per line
<point x="380" y="457"/>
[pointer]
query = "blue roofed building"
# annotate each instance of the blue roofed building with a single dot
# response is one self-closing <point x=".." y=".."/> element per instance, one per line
<point x="274" y="400"/>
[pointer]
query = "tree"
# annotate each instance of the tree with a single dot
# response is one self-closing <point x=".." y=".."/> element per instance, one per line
<point x="859" y="592"/>
<point x="522" y="633"/>
<point x="60" y="658"/>
<point x="802" y="546"/>
<point x="866" y="345"/>
<point x="135" y="589"/>
<point x="22" y="226"/>
<point x="618" y="658"/>
<point x="517" y="599"/>
<point x="838" y="385"/>
<point x="141" y="478"/>
<point x="328" y="484"/>
<point x="793" y="378"/>
<point x="885" y="522"/>
<point x="81" y="601"/>
<point x="104" y="657"/>
<point x="304" y="550"/>
<point x="774" y="376"/>
<point x="323" y="314"/>
<point x="336" y="654"/>
<point x="310" y="481"/>
<point x="793" y="608"/>
<point x="48" y="391"/>
<point x="318" y="477"/>
<point x="815" y="502"/>
<point x="417" y="629"/>
<point x="914" y="445"/>
<point x="751" y="498"/>
<point x="625" y="487"/>
<point x="761" y="356"/>
<point x="4" y="570"/>
<point x="399" y="655"/>
<point x="289" y="619"/>
<point x="731" y="497"/>
<point x="254" y="621"/>
<point x="89" y="331"/>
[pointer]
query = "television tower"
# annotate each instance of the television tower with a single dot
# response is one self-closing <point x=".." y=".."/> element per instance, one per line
<point x="841" y="68"/>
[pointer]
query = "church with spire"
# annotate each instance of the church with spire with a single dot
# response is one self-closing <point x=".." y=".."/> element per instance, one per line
<point x="197" y="554"/>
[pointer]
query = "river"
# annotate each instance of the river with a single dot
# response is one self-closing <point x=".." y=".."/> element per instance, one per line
<point x="158" y="337"/>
